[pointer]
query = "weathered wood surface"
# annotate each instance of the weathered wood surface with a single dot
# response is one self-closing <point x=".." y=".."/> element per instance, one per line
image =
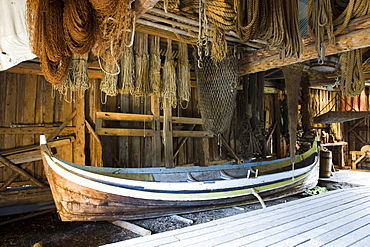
<point x="22" y="172"/>
<point x="142" y="117"/>
<point x="23" y="155"/>
<point x="132" y="227"/>
<point x="340" y="116"/>
<point x="355" y="36"/>
<point x="336" y="218"/>
<point x="25" y="196"/>
<point x="27" y="110"/>
<point x="34" y="68"/>
<point x="35" y="130"/>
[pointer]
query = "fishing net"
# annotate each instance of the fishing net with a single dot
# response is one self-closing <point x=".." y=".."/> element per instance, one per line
<point x="155" y="66"/>
<point x="169" y="90"/>
<point x="116" y="22"/>
<point x="47" y="39"/>
<point x="60" y="28"/>
<point x="80" y="24"/>
<point x="183" y="74"/>
<point x="77" y="80"/>
<point x="216" y="82"/>
<point x="141" y="65"/>
<point x="108" y="84"/>
<point x="128" y="71"/>
<point x="293" y="74"/>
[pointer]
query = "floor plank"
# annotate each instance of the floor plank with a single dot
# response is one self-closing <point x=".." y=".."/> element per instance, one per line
<point x="336" y="218"/>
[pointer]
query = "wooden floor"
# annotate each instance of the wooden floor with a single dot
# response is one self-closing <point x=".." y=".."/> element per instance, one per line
<point x="353" y="177"/>
<point x="337" y="218"/>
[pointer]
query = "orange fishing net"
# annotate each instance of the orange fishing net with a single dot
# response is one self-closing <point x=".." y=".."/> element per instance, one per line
<point x="47" y="38"/>
<point x="80" y="25"/>
<point x="116" y="29"/>
<point x="60" y="28"/>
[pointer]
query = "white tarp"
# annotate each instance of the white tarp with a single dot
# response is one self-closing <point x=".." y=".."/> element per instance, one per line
<point x="14" y="42"/>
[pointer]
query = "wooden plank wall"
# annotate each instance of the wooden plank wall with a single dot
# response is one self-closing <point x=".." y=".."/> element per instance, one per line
<point x="123" y="151"/>
<point x="27" y="101"/>
<point x="357" y="131"/>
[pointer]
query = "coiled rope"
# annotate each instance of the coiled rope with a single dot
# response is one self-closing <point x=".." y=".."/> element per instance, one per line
<point x="352" y="80"/>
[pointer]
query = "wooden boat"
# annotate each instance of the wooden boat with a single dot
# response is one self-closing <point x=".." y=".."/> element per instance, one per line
<point x="84" y="193"/>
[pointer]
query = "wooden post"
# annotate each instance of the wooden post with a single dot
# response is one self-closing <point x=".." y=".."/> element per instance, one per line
<point x="124" y="153"/>
<point x="79" y="144"/>
<point x="167" y="134"/>
<point x="96" y="150"/>
<point x="204" y="156"/>
<point x="277" y="116"/>
<point x="306" y="124"/>
<point x="156" y="139"/>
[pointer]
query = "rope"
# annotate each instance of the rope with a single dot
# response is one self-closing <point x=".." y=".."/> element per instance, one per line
<point x="259" y="198"/>
<point x="345" y="10"/>
<point x="320" y="24"/>
<point x="219" y="13"/>
<point x="169" y="77"/>
<point x="246" y="24"/>
<point x="77" y="80"/>
<point x="352" y="80"/>
<point x="293" y="45"/>
<point x="155" y="66"/>
<point x="183" y="74"/>
<point x="219" y="44"/>
<point x="128" y="72"/>
<point x="141" y="65"/>
<point x="202" y="42"/>
<point x="167" y="4"/>
<point x="273" y="21"/>
<point x="108" y="84"/>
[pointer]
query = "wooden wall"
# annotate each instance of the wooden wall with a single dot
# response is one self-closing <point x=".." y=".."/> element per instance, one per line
<point x="28" y="109"/>
<point x="357" y="131"/>
<point x="135" y="151"/>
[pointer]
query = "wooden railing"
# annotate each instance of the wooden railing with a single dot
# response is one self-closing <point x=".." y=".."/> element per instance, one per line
<point x="114" y="116"/>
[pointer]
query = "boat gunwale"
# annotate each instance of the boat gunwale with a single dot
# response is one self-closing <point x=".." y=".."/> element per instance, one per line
<point x="197" y="186"/>
<point x="179" y="169"/>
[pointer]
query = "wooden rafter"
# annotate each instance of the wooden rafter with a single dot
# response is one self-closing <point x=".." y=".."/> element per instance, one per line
<point x="355" y="36"/>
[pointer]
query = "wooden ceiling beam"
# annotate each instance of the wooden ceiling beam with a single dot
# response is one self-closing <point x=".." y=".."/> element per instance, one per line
<point x="34" y="68"/>
<point x="355" y="36"/>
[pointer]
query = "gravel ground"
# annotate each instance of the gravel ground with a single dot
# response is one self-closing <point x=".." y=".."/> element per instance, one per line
<point x="48" y="230"/>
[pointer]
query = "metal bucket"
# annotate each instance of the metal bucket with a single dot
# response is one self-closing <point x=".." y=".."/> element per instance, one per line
<point x="326" y="163"/>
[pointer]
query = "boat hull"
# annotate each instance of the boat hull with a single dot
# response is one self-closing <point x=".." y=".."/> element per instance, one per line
<point x="77" y="202"/>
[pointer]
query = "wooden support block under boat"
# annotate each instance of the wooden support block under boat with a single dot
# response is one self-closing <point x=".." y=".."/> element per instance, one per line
<point x="132" y="227"/>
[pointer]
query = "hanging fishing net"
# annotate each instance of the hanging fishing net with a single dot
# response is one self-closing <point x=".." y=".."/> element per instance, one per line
<point x="216" y="82"/>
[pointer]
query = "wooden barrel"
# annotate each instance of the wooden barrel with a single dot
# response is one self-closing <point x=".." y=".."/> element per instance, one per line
<point x="326" y="162"/>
